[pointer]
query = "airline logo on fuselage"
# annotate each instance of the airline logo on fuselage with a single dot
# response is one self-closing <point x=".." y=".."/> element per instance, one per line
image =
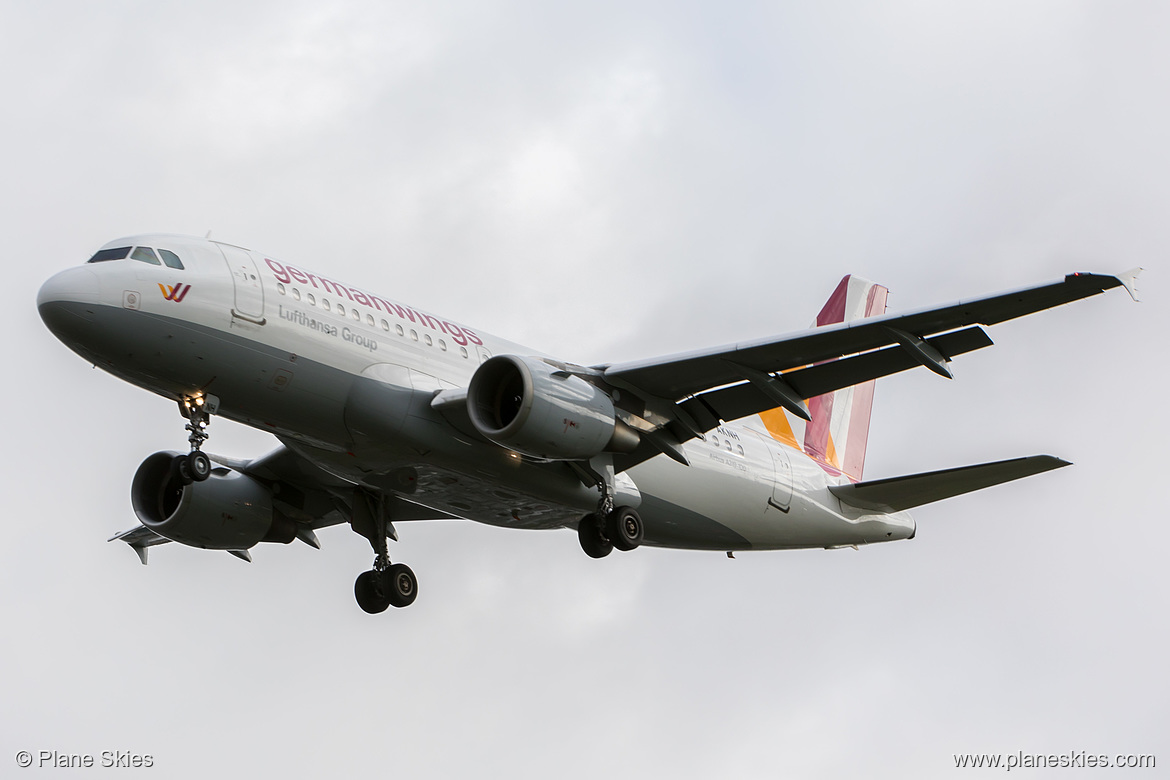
<point x="174" y="292"/>
<point x="288" y="274"/>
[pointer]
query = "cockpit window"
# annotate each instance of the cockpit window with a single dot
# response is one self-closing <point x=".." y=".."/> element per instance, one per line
<point x="171" y="259"/>
<point x="145" y="254"/>
<point x="110" y="254"/>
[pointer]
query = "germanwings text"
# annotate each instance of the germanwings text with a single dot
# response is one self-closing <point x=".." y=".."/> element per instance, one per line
<point x="287" y="274"/>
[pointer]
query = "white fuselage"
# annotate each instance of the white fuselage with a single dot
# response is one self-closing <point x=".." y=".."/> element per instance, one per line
<point x="345" y="378"/>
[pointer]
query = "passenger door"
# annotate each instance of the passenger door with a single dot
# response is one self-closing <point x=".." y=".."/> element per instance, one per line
<point x="249" y="297"/>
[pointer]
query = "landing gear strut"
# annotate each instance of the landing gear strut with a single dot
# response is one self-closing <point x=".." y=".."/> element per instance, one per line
<point x="196" y="466"/>
<point x="609" y="527"/>
<point x="387" y="584"/>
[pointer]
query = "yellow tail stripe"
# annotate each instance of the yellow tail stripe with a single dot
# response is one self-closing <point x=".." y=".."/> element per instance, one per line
<point x="777" y="424"/>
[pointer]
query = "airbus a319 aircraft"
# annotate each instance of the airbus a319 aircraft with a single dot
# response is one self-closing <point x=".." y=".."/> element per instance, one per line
<point x="386" y="413"/>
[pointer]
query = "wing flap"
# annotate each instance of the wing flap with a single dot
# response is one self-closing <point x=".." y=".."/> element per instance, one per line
<point x="899" y="493"/>
<point x="732" y="403"/>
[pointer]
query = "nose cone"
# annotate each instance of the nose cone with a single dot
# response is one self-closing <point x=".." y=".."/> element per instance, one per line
<point x="66" y="302"/>
<point x="73" y="285"/>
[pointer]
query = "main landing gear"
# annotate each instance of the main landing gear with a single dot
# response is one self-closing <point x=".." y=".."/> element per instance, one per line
<point x="620" y="529"/>
<point x="387" y="584"/>
<point x="196" y="466"/>
<point x="393" y="585"/>
<point x="609" y="527"/>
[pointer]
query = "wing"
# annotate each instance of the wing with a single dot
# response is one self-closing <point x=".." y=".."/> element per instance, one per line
<point x="688" y="394"/>
<point x="301" y="491"/>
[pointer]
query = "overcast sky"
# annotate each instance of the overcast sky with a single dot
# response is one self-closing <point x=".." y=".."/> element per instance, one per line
<point x="617" y="181"/>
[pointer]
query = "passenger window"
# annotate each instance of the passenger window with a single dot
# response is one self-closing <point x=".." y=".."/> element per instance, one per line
<point x="370" y="320"/>
<point x="340" y="310"/>
<point x="463" y="351"/>
<point x="296" y="294"/>
<point x="312" y="299"/>
<point x="442" y="345"/>
<point x="280" y="288"/>
<point x="398" y="329"/>
<point x="171" y="259"/>
<point x="385" y="325"/>
<point x="427" y="339"/>
<point x="325" y="304"/>
<point x="357" y="317"/>
<point x="414" y="335"/>
<point x="146" y="255"/>
<point x="110" y="254"/>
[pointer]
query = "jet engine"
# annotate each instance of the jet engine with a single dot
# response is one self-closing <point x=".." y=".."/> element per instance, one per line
<point x="526" y="405"/>
<point x="227" y="511"/>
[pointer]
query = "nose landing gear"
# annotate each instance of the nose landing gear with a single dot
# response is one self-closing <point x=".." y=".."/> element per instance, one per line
<point x="196" y="466"/>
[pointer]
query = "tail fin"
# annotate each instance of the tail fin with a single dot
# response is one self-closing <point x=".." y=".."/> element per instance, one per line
<point x="839" y="430"/>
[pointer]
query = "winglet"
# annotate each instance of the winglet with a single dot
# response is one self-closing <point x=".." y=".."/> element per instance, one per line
<point x="1129" y="281"/>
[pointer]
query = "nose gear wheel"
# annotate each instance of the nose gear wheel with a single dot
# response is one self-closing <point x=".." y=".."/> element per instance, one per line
<point x="195" y="466"/>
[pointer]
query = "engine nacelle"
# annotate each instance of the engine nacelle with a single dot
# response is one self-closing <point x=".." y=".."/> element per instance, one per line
<point x="529" y="406"/>
<point x="227" y="511"/>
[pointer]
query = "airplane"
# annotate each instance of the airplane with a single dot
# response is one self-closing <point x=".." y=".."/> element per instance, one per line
<point x="386" y="413"/>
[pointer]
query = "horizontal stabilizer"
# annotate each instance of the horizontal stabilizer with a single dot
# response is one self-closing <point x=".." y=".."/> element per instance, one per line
<point x="898" y="493"/>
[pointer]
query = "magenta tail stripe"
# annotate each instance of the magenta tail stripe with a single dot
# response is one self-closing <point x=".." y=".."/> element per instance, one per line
<point x="834" y="310"/>
<point x="816" y="433"/>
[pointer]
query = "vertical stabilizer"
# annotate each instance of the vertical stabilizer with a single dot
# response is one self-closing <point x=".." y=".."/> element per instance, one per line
<point x="839" y="429"/>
